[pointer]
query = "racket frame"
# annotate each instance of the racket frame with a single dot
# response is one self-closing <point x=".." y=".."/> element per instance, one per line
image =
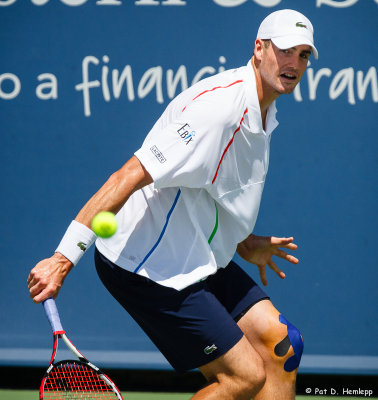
<point x="59" y="333"/>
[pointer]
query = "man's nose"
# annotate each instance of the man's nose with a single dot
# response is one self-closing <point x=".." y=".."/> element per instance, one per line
<point x="294" y="62"/>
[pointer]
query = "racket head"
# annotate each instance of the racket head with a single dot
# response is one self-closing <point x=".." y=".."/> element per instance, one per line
<point x="73" y="379"/>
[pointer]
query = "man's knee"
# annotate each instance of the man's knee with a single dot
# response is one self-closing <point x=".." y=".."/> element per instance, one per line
<point x="286" y="343"/>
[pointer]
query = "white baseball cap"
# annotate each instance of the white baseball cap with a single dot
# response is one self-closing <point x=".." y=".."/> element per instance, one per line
<point x="286" y="29"/>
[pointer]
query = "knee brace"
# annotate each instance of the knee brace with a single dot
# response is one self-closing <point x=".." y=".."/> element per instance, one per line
<point x="293" y="339"/>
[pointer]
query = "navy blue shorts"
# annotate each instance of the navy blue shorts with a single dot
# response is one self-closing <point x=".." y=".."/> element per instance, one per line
<point x="193" y="326"/>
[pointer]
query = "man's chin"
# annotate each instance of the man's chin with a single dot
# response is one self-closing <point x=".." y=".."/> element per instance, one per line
<point x="286" y="89"/>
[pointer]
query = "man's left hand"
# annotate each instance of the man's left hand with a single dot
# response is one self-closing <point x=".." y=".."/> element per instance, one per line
<point x="259" y="250"/>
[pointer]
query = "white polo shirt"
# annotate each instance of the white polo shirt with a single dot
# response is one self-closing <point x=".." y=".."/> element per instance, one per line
<point x="208" y="155"/>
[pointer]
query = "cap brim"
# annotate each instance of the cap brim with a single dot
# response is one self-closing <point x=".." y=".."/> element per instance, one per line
<point x="286" y="42"/>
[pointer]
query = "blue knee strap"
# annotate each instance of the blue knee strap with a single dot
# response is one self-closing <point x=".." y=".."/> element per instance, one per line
<point x="296" y="342"/>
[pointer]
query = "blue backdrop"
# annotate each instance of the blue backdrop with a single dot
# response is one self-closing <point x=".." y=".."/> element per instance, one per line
<point x="81" y="84"/>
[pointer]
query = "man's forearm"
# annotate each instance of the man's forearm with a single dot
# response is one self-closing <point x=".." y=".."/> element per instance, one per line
<point x="116" y="191"/>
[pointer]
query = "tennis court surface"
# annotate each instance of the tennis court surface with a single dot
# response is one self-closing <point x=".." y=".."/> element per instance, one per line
<point x="33" y="395"/>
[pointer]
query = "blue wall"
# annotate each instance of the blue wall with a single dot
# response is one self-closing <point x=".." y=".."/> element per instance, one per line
<point x="58" y="148"/>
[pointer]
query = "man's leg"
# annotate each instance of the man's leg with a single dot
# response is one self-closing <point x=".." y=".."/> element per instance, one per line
<point x="268" y="334"/>
<point x="191" y="328"/>
<point x="237" y="375"/>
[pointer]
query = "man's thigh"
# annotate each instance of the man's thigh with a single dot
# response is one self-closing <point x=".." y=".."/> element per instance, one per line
<point x="261" y="325"/>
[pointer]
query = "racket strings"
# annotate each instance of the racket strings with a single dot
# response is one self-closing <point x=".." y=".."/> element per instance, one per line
<point x="73" y="380"/>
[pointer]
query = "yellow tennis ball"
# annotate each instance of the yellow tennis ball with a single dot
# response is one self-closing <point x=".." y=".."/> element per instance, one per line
<point x="104" y="224"/>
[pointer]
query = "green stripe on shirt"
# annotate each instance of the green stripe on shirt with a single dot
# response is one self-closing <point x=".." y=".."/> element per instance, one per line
<point x="216" y="224"/>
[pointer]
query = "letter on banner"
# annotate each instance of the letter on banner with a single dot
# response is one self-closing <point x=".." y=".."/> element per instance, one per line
<point x="173" y="81"/>
<point x="51" y="85"/>
<point x="108" y="2"/>
<point x="313" y="81"/>
<point x="362" y="84"/>
<point x="235" y="3"/>
<point x="173" y="3"/>
<point x="336" y="3"/>
<point x="147" y="3"/>
<point x="87" y="84"/>
<point x="73" y="3"/>
<point x="40" y="2"/>
<point x="16" y="83"/>
<point x="343" y="79"/>
<point x="267" y="3"/>
<point x="229" y="3"/>
<point x="118" y="81"/>
<point x="4" y="3"/>
<point x="152" y="77"/>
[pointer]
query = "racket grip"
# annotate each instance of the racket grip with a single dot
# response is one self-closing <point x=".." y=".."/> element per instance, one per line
<point x="53" y="315"/>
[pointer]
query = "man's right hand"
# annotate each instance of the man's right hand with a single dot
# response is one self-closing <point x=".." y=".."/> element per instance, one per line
<point x="47" y="277"/>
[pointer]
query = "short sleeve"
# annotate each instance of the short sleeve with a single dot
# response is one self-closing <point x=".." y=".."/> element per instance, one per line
<point x="186" y="151"/>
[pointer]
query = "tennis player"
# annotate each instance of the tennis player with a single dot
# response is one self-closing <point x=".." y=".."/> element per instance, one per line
<point x="185" y="202"/>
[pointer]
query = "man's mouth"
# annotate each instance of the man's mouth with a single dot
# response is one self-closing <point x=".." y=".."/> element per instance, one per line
<point x="289" y="76"/>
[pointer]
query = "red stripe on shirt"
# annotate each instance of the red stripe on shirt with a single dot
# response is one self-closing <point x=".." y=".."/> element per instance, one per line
<point x="217" y="87"/>
<point x="228" y="146"/>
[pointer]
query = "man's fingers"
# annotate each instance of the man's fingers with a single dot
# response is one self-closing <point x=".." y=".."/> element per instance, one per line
<point x="31" y="283"/>
<point x="281" y="240"/>
<point x="286" y="256"/>
<point x="36" y="288"/>
<point x="41" y="288"/>
<point x="263" y="275"/>
<point x="41" y="295"/>
<point x="284" y="242"/>
<point x="291" y="246"/>
<point x="274" y="267"/>
<point x="30" y="279"/>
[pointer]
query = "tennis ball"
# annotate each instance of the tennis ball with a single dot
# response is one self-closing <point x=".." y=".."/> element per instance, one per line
<point x="104" y="224"/>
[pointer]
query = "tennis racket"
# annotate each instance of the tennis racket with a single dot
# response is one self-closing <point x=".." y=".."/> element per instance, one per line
<point x="72" y="379"/>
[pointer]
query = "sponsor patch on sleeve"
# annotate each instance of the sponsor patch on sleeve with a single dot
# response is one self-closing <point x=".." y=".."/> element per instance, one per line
<point x="158" y="154"/>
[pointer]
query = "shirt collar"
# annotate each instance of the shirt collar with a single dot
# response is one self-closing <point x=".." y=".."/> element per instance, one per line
<point x="253" y="105"/>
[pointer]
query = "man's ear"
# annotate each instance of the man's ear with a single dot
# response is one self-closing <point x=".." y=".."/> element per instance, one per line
<point x="259" y="48"/>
